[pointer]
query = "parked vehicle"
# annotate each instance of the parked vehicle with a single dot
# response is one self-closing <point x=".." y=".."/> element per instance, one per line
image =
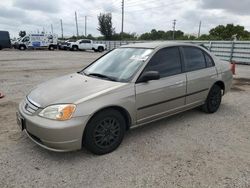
<point x="63" y="45"/>
<point x="128" y="87"/>
<point x="5" y="40"/>
<point x="86" y="44"/>
<point x="37" y="41"/>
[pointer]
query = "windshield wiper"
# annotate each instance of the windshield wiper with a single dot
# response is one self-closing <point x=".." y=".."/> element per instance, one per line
<point x="102" y="76"/>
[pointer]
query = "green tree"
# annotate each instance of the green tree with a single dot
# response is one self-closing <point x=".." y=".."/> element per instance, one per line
<point x="161" y="35"/>
<point x="222" y="32"/>
<point x="105" y="25"/>
<point x="124" y="36"/>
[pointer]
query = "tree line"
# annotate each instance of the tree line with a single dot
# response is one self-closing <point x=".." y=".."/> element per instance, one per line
<point x="107" y="31"/>
<point x="220" y="32"/>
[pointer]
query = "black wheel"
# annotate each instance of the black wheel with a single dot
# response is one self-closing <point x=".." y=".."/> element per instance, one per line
<point x="74" y="48"/>
<point x="22" y="47"/>
<point x="105" y="132"/>
<point x="213" y="100"/>
<point x="100" y="49"/>
<point x="51" y="48"/>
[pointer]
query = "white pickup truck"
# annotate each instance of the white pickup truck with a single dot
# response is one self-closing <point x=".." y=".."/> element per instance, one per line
<point x="86" y="44"/>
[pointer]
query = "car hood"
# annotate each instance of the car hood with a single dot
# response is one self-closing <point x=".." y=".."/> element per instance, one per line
<point x="73" y="88"/>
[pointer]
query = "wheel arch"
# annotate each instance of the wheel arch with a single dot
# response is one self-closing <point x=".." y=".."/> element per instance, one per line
<point x="221" y="85"/>
<point x="74" y="45"/>
<point x="120" y="109"/>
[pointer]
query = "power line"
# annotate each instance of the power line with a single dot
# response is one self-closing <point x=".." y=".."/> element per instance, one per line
<point x="133" y="4"/>
<point x="161" y="6"/>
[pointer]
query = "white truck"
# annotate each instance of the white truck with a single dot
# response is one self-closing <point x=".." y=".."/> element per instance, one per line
<point x="37" y="41"/>
<point x="86" y="44"/>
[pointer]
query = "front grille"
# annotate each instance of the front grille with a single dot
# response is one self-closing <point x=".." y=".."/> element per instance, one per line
<point x="29" y="107"/>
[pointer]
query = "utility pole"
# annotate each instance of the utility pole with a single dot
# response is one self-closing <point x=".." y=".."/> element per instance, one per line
<point x="51" y="29"/>
<point x="122" y="15"/>
<point x="61" y="27"/>
<point x="199" y="32"/>
<point x="77" y="34"/>
<point x="174" y="23"/>
<point x="85" y="26"/>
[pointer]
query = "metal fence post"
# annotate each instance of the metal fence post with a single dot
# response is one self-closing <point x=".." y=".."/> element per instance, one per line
<point x="232" y="51"/>
<point x="210" y="46"/>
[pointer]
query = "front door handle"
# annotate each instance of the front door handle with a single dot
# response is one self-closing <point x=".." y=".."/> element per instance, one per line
<point x="179" y="82"/>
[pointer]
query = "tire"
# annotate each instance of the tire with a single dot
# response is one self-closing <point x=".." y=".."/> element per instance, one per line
<point x="213" y="100"/>
<point x="74" y="48"/>
<point x="105" y="132"/>
<point x="51" y="48"/>
<point x="22" y="47"/>
<point x="100" y="49"/>
<point x="1" y="48"/>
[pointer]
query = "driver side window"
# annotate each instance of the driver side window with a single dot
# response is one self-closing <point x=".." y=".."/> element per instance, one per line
<point x="26" y="39"/>
<point x="166" y="61"/>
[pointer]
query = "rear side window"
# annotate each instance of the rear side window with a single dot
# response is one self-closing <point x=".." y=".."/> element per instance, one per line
<point x="194" y="59"/>
<point x="209" y="60"/>
<point x="166" y="61"/>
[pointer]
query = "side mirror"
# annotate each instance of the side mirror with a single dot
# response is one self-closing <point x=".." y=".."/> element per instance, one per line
<point x="149" y="75"/>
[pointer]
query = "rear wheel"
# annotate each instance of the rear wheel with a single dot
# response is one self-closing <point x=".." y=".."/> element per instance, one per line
<point x="100" y="49"/>
<point x="213" y="100"/>
<point x="105" y="132"/>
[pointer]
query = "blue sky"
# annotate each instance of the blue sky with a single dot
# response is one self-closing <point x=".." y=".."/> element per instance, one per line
<point x="140" y="15"/>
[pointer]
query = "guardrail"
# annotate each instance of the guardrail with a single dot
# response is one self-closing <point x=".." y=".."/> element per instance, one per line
<point x="238" y="51"/>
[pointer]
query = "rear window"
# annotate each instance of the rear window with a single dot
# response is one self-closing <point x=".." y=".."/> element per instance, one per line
<point x="194" y="59"/>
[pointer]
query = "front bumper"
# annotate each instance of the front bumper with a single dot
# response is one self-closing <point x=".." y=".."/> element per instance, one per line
<point x="53" y="135"/>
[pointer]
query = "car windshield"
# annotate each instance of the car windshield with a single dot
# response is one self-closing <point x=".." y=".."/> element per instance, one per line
<point x="119" y="65"/>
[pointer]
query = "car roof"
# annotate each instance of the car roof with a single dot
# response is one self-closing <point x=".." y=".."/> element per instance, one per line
<point x="154" y="45"/>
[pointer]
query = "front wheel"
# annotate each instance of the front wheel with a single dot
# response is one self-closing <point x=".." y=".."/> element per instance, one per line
<point x="22" y="47"/>
<point x="51" y="47"/>
<point x="105" y="132"/>
<point x="213" y="100"/>
<point x="74" y="48"/>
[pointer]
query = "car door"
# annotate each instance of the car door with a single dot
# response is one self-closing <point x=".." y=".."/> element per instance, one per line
<point x="81" y="45"/>
<point x="88" y="44"/>
<point x="157" y="98"/>
<point x="201" y="74"/>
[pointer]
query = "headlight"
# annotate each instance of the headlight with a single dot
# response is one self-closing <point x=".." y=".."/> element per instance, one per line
<point x="58" y="112"/>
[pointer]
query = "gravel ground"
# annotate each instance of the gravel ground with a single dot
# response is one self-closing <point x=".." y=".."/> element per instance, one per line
<point x="191" y="149"/>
